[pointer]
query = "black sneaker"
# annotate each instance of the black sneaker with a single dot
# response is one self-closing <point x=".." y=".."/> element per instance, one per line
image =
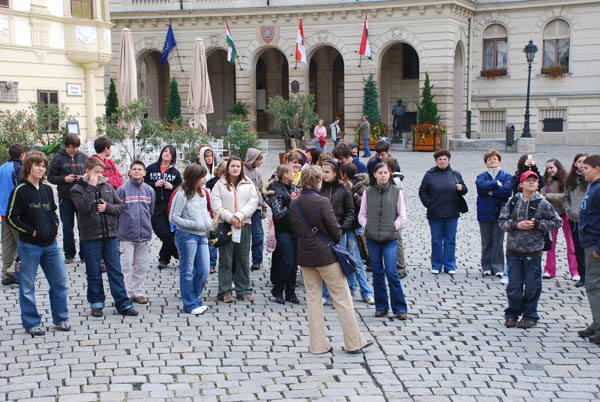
<point x="526" y="323"/>
<point x="9" y="280"/>
<point x="278" y="299"/>
<point x="63" y="326"/>
<point x="580" y="284"/>
<point x="595" y="339"/>
<point x="255" y="266"/>
<point x="129" y="312"/>
<point x="510" y="322"/>
<point x="162" y="264"/>
<point x="97" y="312"/>
<point x="35" y="331"/>
<point x="292" y="299"/>
<point x="584" y="333"/>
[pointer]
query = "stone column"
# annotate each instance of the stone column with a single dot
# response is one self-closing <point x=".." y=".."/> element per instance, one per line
<point x="90" y="100"/>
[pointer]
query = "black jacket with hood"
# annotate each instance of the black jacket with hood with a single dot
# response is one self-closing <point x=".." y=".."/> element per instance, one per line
<point x="63" y="165"/>
<point x="172" y="175"/>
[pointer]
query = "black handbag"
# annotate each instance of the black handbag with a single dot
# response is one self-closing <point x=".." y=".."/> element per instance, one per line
<point x="463" y="207"/>
<point x="344" y="257"/>
<point x="219" y="234"/>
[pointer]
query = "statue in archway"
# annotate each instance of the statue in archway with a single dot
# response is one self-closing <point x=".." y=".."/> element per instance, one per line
<point x="398" y="112"/>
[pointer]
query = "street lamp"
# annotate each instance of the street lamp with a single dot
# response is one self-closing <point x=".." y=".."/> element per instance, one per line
<point x="530" y="51"/>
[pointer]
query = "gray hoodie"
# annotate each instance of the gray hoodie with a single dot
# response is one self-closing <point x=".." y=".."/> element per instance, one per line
<point x="528" y="242"/>
<point x="253" y="174"/>
<point x="190" y="215"/>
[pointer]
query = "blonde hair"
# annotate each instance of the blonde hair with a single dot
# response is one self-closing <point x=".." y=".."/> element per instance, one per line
<point x="311" y="177"/>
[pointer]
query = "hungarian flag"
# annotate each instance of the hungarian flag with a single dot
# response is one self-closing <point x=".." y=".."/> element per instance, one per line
<point x="230" y="46"/>
<point x="300" y="49"/>
<point x="365" y="48"/>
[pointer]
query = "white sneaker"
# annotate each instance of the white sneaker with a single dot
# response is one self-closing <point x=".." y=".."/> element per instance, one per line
<point x="435" y="271"/>
<point x="369" y="300"/>
<point x="199" y="310"/>
<point x="504" y="280"/>
<point x="546" y="275"/>
<point x="325" y="301"/>
<point x="576" y="278"/>
<point x="499" y="274"/>
<point x="487" y="273"/>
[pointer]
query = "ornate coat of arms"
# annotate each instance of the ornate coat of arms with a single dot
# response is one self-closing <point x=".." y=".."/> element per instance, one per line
<point x="267" y="33"/>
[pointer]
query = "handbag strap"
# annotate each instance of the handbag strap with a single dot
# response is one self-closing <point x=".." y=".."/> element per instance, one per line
<point x="216" y="219"/>
<point x="312" y="228"/>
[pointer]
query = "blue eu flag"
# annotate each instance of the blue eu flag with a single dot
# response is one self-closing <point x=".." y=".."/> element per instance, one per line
<point x="169" y="45"/>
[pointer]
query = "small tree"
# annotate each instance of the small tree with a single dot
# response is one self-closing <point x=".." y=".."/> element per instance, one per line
<point x="284" y="111"/>
<point x="240" y="137"/>
<point x="370" y="100"/>
<point x="238" y="110"/>
<point x="427" y="110"/>
<point x="112" y="102"/>
<point x="174" y="105"/>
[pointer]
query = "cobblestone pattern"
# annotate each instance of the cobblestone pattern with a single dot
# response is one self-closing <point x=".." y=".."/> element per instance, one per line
<point x="454" y="346"/>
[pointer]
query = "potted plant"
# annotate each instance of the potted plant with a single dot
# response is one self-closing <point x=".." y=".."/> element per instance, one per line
<point x="240" y="137"/>
<point x="427" y="134"/>
<point x="492" y="73"/>
<point x="556" y="71"/>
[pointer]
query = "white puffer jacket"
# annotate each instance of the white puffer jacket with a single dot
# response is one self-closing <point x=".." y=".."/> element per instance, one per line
<point x="240" y="201"/>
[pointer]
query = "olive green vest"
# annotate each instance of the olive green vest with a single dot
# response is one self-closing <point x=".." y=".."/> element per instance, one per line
<point x="382" y="212"/>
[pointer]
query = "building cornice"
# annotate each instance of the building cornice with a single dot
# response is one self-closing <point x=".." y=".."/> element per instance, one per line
<point x="529" y="4"/>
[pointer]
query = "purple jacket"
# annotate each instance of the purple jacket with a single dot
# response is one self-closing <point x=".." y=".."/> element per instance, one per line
<point x="135" y="223"/>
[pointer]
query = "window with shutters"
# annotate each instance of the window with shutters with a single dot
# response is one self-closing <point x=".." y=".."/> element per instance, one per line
<point x="557" y="45"/>
<point x="82" y="9"/>
<point x="553" y="120"/>
<point x="494" y="48"/>
<point x="50" y="99"/>
<point x="492" y="121"/>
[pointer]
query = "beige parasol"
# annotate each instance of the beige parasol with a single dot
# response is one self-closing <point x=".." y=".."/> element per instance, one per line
<point x="199" y="95"/>
<point x="127" y="74"/>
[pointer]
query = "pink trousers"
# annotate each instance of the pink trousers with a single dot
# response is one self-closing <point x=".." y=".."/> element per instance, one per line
<point x="551" y="255"/>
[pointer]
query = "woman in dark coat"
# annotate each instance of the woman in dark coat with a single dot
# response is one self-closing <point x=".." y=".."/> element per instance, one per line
<point x="319" y="263"/>
<point x="440" y="192"/>
<point x="525" y="163"/>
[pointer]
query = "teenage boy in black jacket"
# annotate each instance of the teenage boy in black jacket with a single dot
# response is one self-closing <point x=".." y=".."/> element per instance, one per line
<point x="32" y="212"/>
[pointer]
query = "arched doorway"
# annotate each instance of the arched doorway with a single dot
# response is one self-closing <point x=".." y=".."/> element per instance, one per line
<point x="326" y="82"/>
<point x="399" y="78"/>
<point x="272" y="79"/>
<point x="222" y="84"/>
<point x="153" y="83"/>
<point x="458" y="94"/>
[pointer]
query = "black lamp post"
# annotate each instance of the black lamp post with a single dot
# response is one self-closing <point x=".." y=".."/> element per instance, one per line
<point x="530" y="51"/>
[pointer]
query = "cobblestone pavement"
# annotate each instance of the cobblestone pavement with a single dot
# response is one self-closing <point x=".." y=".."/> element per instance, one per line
<point x="454" y="346"/>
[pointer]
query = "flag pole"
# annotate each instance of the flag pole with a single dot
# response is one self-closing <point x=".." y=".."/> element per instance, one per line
<point x="240" y="64"/>
<point x="179" y="57"/>
<point x="359" y="59"/>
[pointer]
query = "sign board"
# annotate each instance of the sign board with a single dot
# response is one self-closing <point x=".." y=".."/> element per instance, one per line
<point x="74" y="90"/>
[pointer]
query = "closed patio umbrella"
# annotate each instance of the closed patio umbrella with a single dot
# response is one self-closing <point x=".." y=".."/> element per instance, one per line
<point x="199" y="94"/>
<point x="127" y="74"/>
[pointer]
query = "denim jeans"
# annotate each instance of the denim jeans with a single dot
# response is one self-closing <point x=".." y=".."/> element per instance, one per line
<point x="443" y="243"/>
<point x="193" y="267"/>
<point x="214" y="253"/>
<point x="108" y="249"/>
<point x="284" y="265"/>
<point x="67" y="211"/>
<point x="524" y="286"/>
<point x="351" y="279"/>
<point x="366" y="147"/>
<point x="50" y="260"/>
<point x="318" y="145"/>
<point x="258" y="237"/>
<point x="361" y="275"/>
<point x="383" y="257"/>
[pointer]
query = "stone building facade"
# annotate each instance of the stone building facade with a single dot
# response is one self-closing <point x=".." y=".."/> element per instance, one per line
<point x="54" y="51"/>
<point x="444" y="38"/>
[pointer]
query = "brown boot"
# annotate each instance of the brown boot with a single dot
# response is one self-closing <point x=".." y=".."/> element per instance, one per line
<point x="227" y="297"/>
<point x="248" y="297"/>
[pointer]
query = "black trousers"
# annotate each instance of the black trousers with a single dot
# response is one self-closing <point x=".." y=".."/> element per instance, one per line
<point x="579" y="251"/>
<point x="284" y="265"/>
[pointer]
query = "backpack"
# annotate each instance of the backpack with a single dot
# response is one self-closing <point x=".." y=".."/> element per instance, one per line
<point x="533" y="206"/>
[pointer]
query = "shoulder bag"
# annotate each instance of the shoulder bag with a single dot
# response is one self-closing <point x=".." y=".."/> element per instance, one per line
<point x="344" y="257"/>
<point x="462" y="203"/>
<point x="219" y="234"/>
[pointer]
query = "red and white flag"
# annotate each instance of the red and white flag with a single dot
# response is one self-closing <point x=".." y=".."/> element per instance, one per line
<point x="365" y="48"/>
<point x="300" y="49"/>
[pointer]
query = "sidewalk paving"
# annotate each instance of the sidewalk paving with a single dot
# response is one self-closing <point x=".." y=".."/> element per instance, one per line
<point x="454" y="346"/>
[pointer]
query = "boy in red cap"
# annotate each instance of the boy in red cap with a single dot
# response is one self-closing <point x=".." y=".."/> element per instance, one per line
<point x="527" y="217"/>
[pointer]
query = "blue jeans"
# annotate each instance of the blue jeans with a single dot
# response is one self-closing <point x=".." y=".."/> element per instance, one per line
<point x="50" y="260"/>
<point x="351" y="279"/>
<point x="66" y="210"/>
<point x="524" y="286"/>
<point x="366" y="147"/>
<point x="384" y="257"/>
<point x="318" y="145"/>
<point x="258" y="238"/>
<point x="193" y="267"/>
<point x="361" y="274"/>
<point x="108" y="249"/>
<point x="213" y="252"/>
<point x="443" y="243"/>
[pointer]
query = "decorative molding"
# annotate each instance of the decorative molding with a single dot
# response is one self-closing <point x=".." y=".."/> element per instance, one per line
<point x="107" y="37"/>
<point x="404" y="11"/>
<point x="251" y="52"/>
<point x="215" y="40"/>
<point x="86" y="35"/>
<point x="396" y="35"/>
<point x="327" y="38"/>
<point x="493" y="18"/>
<point x="421" y="10"/>
<point x="4" y="24"/>
<point x="389" y="11"/>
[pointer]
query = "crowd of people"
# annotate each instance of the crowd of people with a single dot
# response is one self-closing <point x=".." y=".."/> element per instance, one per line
<point x="318" y="201"/>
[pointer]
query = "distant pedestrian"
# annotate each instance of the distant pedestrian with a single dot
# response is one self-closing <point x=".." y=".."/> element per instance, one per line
<point x="382" y="214"/>
<point x="555" y="177"/>
<point x="526" y="218"/>
<point x="135" y="231"/>
<point x="98" y="209"/>
<point x="189" y="213"/>
<point x="235" y="197"/>
<point x="319" y="263"/>
<point x="320" y="134"/>
<point x="32" y="213"/>
<point x="574" y="192"/>
<point x="336" y="132"/>
<point x="103" y="148"/>
<point x="493" y="191"/>
<point x="440" y="192"/>
<point x="254" y="160"/>
<point x="365" y="134"/>
<point x="164" y="177"/>
<point x="66" y="168"/>
<point x="9" y="179"/>
<point x="589" y="235"/>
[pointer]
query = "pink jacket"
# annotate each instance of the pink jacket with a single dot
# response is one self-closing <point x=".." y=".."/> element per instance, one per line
<point x="320" y="132"/>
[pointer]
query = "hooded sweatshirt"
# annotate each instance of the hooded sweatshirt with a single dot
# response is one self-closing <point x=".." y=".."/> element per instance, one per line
<point x="154" y="174"/>
<point x="111" y="173"/>
<point x="589" y="217"/>
<point x="63" y="165"/>
<point x="210" y="172"/>
<point x="94" y="225"/>
<point x="253" y="174"/>
<point x="135" y="222"/>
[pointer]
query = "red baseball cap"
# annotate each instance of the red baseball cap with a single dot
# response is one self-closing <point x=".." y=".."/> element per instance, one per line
<point x="528" y="173"/>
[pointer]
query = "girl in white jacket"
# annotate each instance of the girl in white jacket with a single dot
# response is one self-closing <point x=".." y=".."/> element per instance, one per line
<point x="189" y="214"/>
<point x="236" y="197"/>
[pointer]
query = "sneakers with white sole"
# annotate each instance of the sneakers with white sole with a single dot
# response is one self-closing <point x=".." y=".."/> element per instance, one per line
<point x="199" y="310"/>
<point x="576" y="278"/>
<point x="546" y="275"/>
